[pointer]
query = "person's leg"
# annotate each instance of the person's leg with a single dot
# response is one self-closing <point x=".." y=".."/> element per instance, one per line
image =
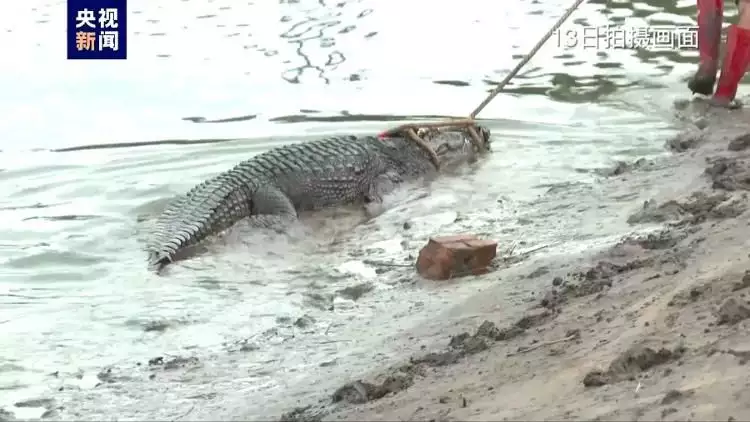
<point x="736" y="59"/>
<point x="710" y="17"/>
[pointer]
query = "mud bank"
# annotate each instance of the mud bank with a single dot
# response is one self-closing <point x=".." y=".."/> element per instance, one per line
<point x="652" y="327"/>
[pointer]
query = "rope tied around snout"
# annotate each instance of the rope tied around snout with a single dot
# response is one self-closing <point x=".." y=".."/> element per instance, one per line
<point x="409" y="130"/>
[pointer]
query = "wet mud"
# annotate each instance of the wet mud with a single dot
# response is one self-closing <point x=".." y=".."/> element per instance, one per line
<point x="116" y="376"/>
<point x="649" y="327"/>
<point x="621" y="167"/>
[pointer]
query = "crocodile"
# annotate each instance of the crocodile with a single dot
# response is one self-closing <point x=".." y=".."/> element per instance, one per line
<point x="271" y="188"/>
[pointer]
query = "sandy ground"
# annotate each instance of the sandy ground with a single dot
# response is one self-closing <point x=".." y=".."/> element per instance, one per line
<point x="652" y="327"/>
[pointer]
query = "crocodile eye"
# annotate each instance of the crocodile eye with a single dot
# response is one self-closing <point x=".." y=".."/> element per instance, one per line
<point x="485" y="133"/>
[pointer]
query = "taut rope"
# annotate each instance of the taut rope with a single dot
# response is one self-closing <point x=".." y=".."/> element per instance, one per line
<point x="470" y="123"/>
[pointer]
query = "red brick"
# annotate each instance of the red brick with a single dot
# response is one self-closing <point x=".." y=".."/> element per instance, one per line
<point x="454" y="238"/>
<point x="455" y="256"/>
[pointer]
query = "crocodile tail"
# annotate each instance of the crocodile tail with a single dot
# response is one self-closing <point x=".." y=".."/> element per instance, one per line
<point x="207" y="209"/>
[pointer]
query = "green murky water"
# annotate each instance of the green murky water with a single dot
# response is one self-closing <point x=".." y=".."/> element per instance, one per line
<point x="210" y="83"/>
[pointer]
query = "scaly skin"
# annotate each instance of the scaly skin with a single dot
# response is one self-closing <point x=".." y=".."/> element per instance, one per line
<point x="271" y="188"/>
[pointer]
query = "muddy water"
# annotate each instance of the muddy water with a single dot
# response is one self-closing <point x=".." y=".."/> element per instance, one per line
<point x="256" y="325"/>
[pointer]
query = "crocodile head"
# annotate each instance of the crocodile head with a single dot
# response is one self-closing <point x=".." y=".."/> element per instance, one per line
<point x="455" y="146"/>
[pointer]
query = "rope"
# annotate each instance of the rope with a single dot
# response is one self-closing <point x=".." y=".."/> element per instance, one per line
<point x="469" y="123"/>
<point x="526" y="59"/>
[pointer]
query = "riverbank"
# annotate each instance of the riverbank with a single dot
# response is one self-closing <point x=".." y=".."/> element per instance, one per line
<point x="648" y="327"/>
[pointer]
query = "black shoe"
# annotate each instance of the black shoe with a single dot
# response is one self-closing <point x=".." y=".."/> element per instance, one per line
<point x="702" y="84"/>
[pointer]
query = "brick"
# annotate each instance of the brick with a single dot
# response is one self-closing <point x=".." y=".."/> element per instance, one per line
<point x="455" y="256"/>
<point x="454" y="238"/>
